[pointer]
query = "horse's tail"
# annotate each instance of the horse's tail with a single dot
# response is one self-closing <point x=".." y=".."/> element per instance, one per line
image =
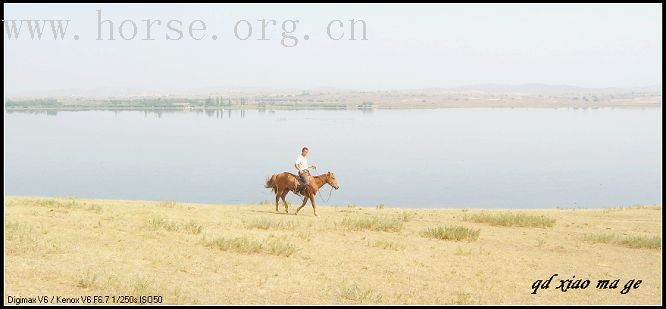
<point x="271" y="182"/>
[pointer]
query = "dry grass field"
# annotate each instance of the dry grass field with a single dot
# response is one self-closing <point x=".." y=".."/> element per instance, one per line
<point x="249" y="254"/>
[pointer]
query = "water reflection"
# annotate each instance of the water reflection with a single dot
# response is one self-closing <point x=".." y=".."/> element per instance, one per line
<point x="156" y="113"/>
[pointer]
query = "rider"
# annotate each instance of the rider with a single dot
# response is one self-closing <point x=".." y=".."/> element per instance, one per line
<point x="302" y="167"/>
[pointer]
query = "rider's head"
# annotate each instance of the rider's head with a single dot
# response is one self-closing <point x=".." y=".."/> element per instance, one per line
<point x="304" y="151"/>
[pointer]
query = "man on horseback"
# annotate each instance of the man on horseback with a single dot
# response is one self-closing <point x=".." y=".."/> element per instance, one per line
<point x="285" y="182"/>
<point x="302" y="167"/>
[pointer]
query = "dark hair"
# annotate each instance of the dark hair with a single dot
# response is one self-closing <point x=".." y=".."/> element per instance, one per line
<point x="305" y="148"/>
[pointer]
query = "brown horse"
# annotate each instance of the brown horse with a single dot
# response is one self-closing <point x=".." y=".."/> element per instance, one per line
<point x="282" y="183"/>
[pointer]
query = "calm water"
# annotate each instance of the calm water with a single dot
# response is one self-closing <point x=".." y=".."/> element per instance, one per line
<point x="491" y="158"/>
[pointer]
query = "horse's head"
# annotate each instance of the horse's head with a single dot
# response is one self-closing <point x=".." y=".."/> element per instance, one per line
<point x="332" y="181"/>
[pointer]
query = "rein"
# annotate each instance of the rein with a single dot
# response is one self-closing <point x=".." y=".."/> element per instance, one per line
<point x="329" y="192"/>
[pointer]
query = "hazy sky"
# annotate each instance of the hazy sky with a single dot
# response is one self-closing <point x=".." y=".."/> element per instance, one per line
<point x="407" y="46"/>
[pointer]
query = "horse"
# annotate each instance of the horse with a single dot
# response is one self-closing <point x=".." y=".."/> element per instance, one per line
<point x="282" y="183"/>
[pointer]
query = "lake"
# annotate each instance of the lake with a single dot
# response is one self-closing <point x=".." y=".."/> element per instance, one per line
<point x="458" y="157"/>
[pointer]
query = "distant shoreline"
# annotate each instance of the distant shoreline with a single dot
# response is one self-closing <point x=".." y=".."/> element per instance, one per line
<point x="539" y="97"/>
<point x="323" y="107"/>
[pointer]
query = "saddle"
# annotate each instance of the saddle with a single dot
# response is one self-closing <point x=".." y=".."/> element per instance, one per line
<point x="300" y="185"/>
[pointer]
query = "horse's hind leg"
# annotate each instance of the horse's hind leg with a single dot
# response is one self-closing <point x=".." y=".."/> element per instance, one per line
<point x="277" y="199"/>
<point x="286" y="206"/>
<point x="305" y="200"/>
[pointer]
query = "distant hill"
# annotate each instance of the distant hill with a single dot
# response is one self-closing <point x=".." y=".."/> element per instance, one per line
<point x="546" y="89"/>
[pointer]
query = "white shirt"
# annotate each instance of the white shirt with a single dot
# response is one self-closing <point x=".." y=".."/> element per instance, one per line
<point x="302" y="162"/>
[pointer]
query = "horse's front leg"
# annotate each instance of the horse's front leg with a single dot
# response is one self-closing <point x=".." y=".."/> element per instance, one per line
<point x="314" y="206"/>
<point x="277" y="199"/>
<point x="305" y="200"/>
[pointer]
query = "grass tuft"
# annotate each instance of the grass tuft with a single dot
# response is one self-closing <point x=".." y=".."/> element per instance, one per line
<point x="245" y="245"/>
<point x="638" y="242"/>
<point x="87" y="280"/>
<point x="387" y="244"/>
<point x="463" y="299"/>
<point x="405" y="217"/>
<point x="452" y="233"/>
<point x="142" y="286"/>
<point x="193" y="227"/>
<point x="511" y="219"/>
<point x="168" y="204"/>
<point x="385" y="224"/>
<point x="95" y="208"/>
<point x="21" y="237"/>
<point x="356" y="294"/>
<point x="279" y="248"/>
<point x="161" y="223"/>
<point x="267" y="224"/>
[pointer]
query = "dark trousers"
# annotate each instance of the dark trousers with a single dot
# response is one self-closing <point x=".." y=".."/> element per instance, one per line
<point x="305" y="177"/>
